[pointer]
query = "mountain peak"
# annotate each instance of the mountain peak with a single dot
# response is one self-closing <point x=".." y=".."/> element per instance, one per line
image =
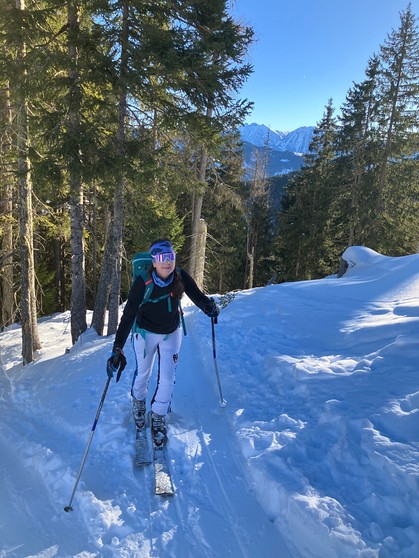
<point x="296" y="141"/>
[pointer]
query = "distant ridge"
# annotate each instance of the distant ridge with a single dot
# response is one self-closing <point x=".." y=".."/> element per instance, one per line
<point x="297" y="141"/>
<point x="286" y="148"/>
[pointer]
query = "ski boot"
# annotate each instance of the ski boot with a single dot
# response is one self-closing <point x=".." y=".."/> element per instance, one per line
<point x="158" y="428"/>
<point x="138" y="412"/>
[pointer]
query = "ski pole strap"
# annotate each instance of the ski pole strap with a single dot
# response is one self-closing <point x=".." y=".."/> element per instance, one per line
<point x="122" y="364"/>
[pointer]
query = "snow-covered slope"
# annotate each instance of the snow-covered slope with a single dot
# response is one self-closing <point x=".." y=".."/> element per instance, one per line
<point x="316" y="454"/>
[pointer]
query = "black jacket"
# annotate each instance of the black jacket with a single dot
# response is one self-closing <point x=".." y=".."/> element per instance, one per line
<point x="155" y="316"/>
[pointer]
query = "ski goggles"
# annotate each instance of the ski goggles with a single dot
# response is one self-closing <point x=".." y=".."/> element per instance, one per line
<point x="165" y="256"/>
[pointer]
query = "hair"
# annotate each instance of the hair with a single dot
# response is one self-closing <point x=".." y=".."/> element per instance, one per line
<point x="178" y="286"/>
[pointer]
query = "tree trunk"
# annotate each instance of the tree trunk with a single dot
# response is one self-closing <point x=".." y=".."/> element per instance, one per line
<point x="118" y="215"/>
<point x="78" y="282"/>
<point x="115" y="259"/>
<point x="95" y="243"/>
<point x="102" y="294"/>
<point x="196" y="217"/>
<point x="7" y="307"/>
<point x="78" y="279"/>
<point x="197" y="206"/>
<point x="200" y="253"/>
<point x="58" y="284"/>
<point x="251" y="256"/>
<point x="30" y="338"/>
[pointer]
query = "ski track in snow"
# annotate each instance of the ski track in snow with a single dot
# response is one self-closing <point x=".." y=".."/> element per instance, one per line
<point x="116" y="514"/>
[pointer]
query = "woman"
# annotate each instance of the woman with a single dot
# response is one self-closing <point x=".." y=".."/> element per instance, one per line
<point x="159" y="330"/>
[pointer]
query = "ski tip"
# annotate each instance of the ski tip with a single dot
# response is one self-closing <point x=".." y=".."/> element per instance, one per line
<point x="68" y="509"/>
<point x="223" y="403"/>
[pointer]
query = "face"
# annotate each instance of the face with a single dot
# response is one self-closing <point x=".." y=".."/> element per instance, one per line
<point x="164" y="269"/>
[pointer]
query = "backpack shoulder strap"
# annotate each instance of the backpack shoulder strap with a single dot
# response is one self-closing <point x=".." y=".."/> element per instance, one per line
<point x="148" y="282"/>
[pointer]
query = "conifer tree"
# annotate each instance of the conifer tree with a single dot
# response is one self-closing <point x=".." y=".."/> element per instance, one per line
<point x="115" y="236"/>
<point x="215" y="75"/>
<point x="30" y="336"/>
<point x="306" y="224"/>
<point x="358" y="146"/>
<point x="257" y="211"/>
<point x="362" y="185"/>
<point x="136" y="34"/>
<point x="78" y="280"/>
<point x="224" y="210"/>
<point x="180" y="67"/>
<point x="398" y="123"/>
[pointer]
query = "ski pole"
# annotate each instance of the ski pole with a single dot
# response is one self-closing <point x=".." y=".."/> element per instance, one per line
<point x="69" y="507"/>
<point x="223" y="402"/>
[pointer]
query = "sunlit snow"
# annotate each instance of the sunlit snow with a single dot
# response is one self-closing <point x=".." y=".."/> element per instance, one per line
<point x="316" y="454"/>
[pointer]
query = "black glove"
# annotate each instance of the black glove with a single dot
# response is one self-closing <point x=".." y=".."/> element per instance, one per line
<point x="116" y="362"/>
<point x="211" y="309"/>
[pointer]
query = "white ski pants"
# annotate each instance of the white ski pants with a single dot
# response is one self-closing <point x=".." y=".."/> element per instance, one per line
<point x="146" y="346"/>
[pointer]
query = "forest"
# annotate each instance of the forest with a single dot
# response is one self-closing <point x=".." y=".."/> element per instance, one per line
<point x="119" y="126"/>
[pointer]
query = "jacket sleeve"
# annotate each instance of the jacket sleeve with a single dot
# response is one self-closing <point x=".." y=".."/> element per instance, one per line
<point x="194" y="293"/>
<point x="135" y="296"/>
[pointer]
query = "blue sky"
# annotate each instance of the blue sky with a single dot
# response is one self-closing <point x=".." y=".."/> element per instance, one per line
<point x="308" y="51"/>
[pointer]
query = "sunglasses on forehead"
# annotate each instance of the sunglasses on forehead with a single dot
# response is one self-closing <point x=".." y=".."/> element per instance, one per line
<point x="166" y="256"/>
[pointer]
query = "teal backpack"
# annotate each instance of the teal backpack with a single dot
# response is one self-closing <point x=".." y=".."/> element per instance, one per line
<point x="141" y="263"/>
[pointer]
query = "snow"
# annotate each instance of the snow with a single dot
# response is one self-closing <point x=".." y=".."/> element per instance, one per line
<point x="316" y="454"/>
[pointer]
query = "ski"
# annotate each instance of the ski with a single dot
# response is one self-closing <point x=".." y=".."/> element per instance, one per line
<point x="142" y="453"/>
<point x="163" y="485"/>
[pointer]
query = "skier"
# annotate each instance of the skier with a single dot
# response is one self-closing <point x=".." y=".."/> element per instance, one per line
<point x="158" y="330"/>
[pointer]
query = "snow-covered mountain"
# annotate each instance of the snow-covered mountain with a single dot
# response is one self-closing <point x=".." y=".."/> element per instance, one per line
<point x="286" y="148"/>
<point x="296" y="141"/>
